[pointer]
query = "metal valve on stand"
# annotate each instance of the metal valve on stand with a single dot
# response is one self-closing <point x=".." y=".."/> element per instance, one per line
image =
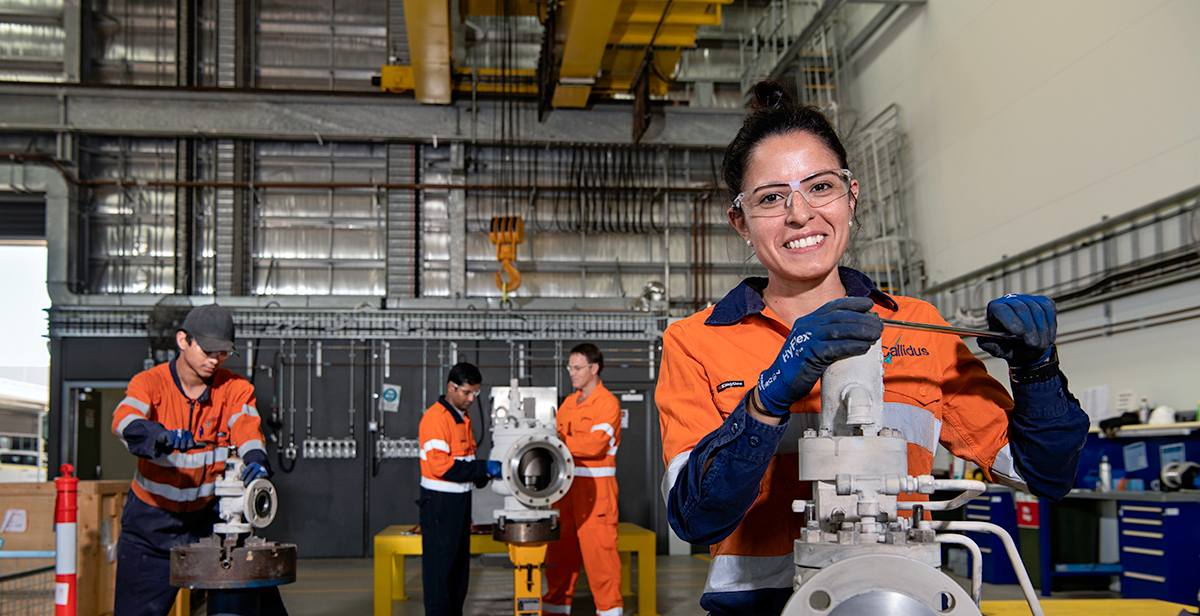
<point x="232" y="563"/>
<point x="537" y="471"/>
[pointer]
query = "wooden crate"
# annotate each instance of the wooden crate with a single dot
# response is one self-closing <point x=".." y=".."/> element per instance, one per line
<point x="97" y="528"/>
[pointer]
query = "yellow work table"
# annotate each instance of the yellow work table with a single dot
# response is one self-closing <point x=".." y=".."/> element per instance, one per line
<point x="1085" y="607"/>
<point x="396" y="542"/>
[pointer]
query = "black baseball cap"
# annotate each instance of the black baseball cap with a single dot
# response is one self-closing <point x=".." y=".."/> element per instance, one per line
<point x="211" y="326"/>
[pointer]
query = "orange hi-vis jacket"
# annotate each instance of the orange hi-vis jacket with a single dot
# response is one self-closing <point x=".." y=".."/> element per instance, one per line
<point x="588" y="514"/>
<point x="592" y="431"/>
<point x="223" y="417"/>
<point x="446" y="439"/>
<point x="935" y="391"/>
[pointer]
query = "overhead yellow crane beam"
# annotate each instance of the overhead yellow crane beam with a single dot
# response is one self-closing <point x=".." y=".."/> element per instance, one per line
<point x="692" y="12"/>
<point x="588" y="25"/>
<point x="600" y="46"/>
<point x="632" y="29"/>
<point x="428" y="25"/>
<point x="514" y="8"/>
<point x="522" y="82"/>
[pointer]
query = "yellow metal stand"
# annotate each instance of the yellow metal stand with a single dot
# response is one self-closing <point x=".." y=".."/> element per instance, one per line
<point x="527" y="577"/>
<point x="395" y="542"/>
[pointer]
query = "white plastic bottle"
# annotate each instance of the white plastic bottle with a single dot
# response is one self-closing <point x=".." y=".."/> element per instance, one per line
<point x="1105" y="484"/>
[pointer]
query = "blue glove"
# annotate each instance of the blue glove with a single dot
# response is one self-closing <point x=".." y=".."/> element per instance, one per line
<point x="495" y="468"/>
<point x="1033" y="318"/>
<point x="841" y="328"/>
<point x="174" y="440"/>
<point x="252" y="471"/>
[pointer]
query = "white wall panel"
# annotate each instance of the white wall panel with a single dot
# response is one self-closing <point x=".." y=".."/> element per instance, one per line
<point x="1027" y="120"/>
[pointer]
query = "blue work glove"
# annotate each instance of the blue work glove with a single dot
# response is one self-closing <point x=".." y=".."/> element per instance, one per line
<point x="174" y="440"/>
<point x="1033" y="318"/>
<point x="252" y="471"/>
<point x="495" y="468"/>
<point x="842" y="328"/>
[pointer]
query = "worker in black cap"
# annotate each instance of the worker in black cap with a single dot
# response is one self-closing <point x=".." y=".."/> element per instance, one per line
<point x="182" y="419"/>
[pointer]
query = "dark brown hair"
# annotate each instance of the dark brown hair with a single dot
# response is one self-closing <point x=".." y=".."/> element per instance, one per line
<point x="590" y="352"/>
<point x="773" y="111"/>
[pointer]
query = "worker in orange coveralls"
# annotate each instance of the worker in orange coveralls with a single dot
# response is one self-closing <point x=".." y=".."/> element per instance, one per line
<point x="589" y="422"/>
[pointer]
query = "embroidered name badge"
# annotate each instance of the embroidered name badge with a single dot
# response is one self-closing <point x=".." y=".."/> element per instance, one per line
<point x="728" y="384"/>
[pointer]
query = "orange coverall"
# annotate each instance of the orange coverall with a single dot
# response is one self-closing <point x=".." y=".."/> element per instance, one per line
<point x="588" y="513"/>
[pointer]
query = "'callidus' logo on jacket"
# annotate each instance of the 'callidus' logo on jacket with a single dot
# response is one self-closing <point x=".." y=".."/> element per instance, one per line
<point x="902" y="350"/>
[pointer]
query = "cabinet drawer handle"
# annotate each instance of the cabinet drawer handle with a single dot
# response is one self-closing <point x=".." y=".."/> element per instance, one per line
<point x="1146" y="576"/>
<point x="1146" y="551"/>
<point x="1146" y="509"/>
<point x="1142" y="521"/>
<point x="1139" y="533"/>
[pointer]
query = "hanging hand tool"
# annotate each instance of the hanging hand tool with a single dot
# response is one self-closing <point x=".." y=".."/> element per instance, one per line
<point x="946" y="329"/>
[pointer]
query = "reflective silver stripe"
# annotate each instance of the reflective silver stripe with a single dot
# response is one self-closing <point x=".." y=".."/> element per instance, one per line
<point x="248" y="446"/>
<point x="437" y="485"/>
<point x="595" y="471"/>
<point x="673" y="470"/>
<point x="616" y="611"/>
<point x="918" y="425"/>
<point x="1004" y="470"/>
<point x="179" y="495"/>
<point x="470" y="458"/>
<point x="201" y="459"/>
<point x="141" y="407"/>
<point x="741" y="573"/>
<point x="246" y="410"/>
<point x="125" y="424"/>
<point x="612" y="438"/>
<point x="434" y="443"/>
<point x="550" y="608"/>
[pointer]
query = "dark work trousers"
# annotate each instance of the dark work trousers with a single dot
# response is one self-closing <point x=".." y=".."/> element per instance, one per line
<point x="445" y="550"/>
<point x="144" y="558"/>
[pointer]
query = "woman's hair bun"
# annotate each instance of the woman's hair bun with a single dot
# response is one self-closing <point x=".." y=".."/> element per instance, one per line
<point x="770" y="94"/>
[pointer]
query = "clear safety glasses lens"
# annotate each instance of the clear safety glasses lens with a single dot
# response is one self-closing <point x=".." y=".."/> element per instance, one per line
<point x="819" y="189"/>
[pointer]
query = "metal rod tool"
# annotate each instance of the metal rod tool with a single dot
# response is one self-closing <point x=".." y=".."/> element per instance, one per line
<point x="961" y="331"/>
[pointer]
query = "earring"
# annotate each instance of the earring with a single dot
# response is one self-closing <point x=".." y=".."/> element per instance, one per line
<point x="851" y="223"/>
<point x="749" y="243"/>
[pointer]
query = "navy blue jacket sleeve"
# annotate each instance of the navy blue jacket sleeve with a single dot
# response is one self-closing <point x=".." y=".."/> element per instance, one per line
<point x="1046" y="433"/>
<point x="705" y="506"/>
<point x="139" y="438"/>
<point x="258" y="456"/>
<point x="464" y="470"/>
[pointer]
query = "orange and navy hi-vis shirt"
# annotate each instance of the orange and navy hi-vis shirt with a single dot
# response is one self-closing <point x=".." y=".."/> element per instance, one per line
<point x="935" y="392"/>
<point x="591" y="430"/>
<point x="224" y="416"/>
<point x="447" y="453"/>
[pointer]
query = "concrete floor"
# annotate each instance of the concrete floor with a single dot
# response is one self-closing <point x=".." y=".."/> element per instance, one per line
<point x="345" y="586"/>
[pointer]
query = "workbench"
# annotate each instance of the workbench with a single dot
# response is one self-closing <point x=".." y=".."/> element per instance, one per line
<point x="396" y="542"/>
<point x="1157" y="537"/>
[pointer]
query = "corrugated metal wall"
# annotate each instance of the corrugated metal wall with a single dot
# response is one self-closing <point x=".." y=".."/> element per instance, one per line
<point x="32" y="40"/>
<point x="595" y="219"/>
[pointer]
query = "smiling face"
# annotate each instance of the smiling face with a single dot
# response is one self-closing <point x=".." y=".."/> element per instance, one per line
<point x="805" y="243"/>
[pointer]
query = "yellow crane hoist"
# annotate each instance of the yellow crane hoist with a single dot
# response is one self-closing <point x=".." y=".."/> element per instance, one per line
<point x="506" y="233"/>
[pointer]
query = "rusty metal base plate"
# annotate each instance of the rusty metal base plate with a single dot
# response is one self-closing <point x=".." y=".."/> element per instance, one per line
<point x="540" y="531"/>
<point x="255" y="564"/>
